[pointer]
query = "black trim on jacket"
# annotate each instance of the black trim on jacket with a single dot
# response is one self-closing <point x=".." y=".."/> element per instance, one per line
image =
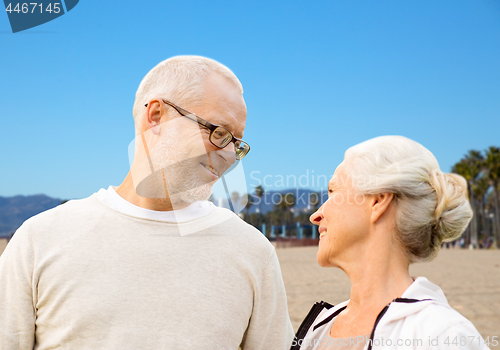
<point x="318" y="307"/>
<point x="382" y="313"/>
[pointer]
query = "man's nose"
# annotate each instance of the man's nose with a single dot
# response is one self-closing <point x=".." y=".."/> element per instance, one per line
<point x="229" y="153"/>
<point x="316" y="217"/>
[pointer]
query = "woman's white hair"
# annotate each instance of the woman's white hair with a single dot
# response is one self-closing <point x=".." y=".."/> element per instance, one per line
<point x="432" y="206"/>
<point x="181" y="79"/>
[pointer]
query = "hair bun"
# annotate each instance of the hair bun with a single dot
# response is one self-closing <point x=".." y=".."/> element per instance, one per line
<point x="453" y="211"/>
<point x="425" y="214"/>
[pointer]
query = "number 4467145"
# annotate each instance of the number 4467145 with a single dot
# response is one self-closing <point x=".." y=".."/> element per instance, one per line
<point x="464" y="341"/>
<point x="494" y="341"/>
<point x="33" y="6"/>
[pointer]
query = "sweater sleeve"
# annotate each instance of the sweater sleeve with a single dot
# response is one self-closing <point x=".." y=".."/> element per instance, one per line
<point x="269" y="326"/>
<point x="17" y="313"/>
<point x="460" y="336"/>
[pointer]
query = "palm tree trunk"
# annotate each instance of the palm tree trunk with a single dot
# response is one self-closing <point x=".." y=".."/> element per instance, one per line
<point x="496" y="226"/>
<point x="473" y="237"/>
<point x="466" y="234"/>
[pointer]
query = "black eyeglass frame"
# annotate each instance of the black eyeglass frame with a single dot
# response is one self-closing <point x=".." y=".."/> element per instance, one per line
<point x="212" y="127"/>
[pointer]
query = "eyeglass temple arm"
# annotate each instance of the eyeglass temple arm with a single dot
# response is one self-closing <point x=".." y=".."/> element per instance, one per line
<point x="191" y="116"/>
<point x="187" y="114"/>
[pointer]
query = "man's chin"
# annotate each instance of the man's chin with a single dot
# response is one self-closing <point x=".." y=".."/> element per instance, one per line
<point x="200" y="193"/>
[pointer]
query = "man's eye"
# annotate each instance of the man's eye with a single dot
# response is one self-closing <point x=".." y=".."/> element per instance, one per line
<point x="220" y="133"/>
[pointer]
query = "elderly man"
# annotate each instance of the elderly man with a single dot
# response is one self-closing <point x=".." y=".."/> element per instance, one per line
<point x="151" y="264"/>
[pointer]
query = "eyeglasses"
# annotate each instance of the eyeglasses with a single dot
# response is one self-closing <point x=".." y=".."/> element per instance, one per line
<point x="219" y="136"/>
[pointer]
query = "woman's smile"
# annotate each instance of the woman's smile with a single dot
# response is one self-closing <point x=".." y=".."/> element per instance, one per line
<point x="322" y="232"/>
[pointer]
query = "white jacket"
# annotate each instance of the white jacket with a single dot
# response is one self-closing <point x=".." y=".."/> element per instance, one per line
<point x="420" y="319"/>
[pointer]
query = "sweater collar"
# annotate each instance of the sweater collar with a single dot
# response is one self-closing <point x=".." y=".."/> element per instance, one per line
<point x="113" y="200"/>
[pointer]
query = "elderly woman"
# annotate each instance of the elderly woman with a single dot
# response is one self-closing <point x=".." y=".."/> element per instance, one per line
<point x="389" y="206"/>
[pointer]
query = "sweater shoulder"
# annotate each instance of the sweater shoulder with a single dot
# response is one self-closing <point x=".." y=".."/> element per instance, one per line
<point x="71" y="212"/>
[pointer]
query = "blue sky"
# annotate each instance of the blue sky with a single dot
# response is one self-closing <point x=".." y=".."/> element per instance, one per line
<point x="319" y="77"/>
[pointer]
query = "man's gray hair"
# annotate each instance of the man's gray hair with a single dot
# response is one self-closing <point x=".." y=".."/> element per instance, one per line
<point x="180" y="79"/>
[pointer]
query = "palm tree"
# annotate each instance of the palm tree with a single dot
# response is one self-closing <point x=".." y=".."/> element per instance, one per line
<point x="274" y="217"/>
<point x="492" y="165"/>
<point x="471" y="167"/>
<point x="247" y="201"/>
<point x="281" y="205"/>
<point x="480" y="189"/>
<point x="285" y="205"/>
<point x="259" y="192"/>
<point x="289" y="200"/>
<point x="314" y="200"/>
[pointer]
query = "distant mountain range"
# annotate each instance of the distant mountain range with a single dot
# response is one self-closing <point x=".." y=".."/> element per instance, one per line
<point x="272" y="198"/>
<point x="15" y="210"/>
<point x="302" y="199"/>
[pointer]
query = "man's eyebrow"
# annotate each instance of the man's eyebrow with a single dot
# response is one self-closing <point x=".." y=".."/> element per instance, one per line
<point x="221" y="123"/>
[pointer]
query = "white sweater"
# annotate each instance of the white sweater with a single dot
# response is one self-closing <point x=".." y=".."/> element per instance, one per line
<point x="85" y="276"/>
<point x="420" y="319"/>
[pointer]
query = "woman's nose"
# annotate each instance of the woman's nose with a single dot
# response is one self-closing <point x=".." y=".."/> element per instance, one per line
<point x="316" y="217"/>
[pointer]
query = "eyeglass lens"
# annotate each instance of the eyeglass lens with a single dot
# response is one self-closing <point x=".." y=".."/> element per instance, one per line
<point x="221" y="137"/>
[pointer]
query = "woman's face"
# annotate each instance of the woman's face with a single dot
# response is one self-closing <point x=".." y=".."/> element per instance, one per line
<point x="343" y="221"/>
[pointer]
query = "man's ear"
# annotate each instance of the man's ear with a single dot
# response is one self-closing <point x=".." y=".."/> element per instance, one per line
<point x="153" y="115"/>
<point x="380" y="205"/>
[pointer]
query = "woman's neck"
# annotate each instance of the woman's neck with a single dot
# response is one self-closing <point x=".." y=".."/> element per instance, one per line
<point x="378" y="275"/>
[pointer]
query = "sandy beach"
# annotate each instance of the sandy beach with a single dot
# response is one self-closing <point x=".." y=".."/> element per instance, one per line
<point x="3" y="244"/>
<point x="470" y="280"/>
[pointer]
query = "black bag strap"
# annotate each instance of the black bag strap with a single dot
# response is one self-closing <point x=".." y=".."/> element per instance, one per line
<point x="329" y="318"/>
<point x="307" y="323"/>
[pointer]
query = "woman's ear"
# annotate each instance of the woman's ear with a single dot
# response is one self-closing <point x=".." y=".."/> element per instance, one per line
<point x="380" y="205"/>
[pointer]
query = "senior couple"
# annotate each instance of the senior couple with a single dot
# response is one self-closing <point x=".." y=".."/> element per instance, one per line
<point x="151" y="264"/>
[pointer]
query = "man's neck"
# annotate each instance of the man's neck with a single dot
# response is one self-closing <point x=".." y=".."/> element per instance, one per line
<point x="127" y="191"/>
